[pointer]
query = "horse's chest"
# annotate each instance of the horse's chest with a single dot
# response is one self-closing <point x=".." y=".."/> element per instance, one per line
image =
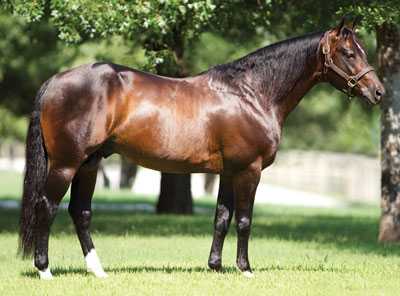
<point x="266" y="142"/>
<point x="270" y="149"/>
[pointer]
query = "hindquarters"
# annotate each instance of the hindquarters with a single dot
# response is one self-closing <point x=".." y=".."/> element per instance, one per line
<point x="68" y="125"/>
<point x="78" y="113"/>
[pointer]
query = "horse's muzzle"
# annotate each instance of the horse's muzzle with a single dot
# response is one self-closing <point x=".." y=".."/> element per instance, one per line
<point x="374" y="94"/>
<point x="379" y="93"/>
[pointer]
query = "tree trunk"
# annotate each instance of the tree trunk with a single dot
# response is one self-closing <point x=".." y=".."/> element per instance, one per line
<point x="128" y="173"/>
<point x="175" y="189"/>
<point x="388" y="38"/>
<point x="209" y="183"/>
<point x="106" y="180"/>
<point x="175" y="194"/>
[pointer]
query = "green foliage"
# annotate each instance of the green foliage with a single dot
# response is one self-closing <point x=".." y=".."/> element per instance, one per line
<point x="29" y="55"/>
<point x="78" y="20"/>
<point x="11" y="126"/>
<point x="373" y="13"/>
<point x="30" y="10"/>
<point x="326" y="120"/>
<point x="114" y="49"/>
<point x="212" y="49"/>
<point x="164" y="28"/>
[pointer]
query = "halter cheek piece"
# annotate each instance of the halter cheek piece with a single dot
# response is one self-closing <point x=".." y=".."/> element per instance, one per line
<point x="351" y="81"/>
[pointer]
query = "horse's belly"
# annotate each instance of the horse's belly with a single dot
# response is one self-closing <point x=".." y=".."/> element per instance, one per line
<point x="177" y="153"/>
<point x="206" y="163"/>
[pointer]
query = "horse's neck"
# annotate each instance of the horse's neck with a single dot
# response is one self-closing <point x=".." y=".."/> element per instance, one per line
<point x="276" y="76"/>
<point x="283" y="90"/>
<point x="297" y="91"/>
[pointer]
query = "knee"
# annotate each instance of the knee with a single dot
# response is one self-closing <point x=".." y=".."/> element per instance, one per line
<point x="45" y="209"/>
<point x="243" y="226"/>
<point x="222" y="220"/>
<point x="222" y="226"/>
<point x="81" y="217"/>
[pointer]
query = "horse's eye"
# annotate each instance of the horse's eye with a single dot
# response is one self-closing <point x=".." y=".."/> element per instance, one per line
<point x="349" y="53"/>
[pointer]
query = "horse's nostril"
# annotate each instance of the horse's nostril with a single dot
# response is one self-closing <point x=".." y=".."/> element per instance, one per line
<point x="379" y="93"/>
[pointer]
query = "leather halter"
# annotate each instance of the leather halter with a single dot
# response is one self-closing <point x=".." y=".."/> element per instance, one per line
<point x="351" y="80"/>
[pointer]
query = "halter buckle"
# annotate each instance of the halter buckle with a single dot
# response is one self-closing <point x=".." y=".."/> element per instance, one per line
<point x="325" y="49"/>
<point x="352" y="82"/>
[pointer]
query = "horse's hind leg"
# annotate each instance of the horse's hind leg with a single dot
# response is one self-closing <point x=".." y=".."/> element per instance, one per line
<point x="79" y="209"/>
<point x="57" y="184"/>
<point x="223" y="217"/>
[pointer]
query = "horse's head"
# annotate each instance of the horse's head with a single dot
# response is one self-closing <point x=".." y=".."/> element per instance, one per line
<point x="345" y="64"/>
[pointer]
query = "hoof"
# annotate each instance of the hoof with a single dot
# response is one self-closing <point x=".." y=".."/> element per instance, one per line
<point x="215" y="266"/>
<point x="45" y="274"/>
<point x="248" y="274"/>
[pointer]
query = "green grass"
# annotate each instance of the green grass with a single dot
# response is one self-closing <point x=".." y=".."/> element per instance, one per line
<point x="293" y="252"/>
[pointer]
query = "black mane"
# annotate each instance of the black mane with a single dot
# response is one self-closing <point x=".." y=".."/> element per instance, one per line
<point x="273" y="69"/>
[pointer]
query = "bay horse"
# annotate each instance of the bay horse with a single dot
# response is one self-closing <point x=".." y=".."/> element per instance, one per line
<point x="227" y="121"/>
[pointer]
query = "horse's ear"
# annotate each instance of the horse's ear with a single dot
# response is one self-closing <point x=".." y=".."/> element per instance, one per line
<point x="338" y="28"/>
<point x="347" y="23"/>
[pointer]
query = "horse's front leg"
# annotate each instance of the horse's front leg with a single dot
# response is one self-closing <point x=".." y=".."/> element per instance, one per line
<point x="223" y="217"/>
<point x="244" y="185"/>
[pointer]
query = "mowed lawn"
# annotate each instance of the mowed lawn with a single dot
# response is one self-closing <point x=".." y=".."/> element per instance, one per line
<point x="294" y="251"/>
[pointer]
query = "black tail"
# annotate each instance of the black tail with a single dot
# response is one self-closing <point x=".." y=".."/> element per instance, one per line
<point x="35" y="177"/>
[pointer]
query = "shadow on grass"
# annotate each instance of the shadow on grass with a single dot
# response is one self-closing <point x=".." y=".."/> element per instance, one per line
<point x="305" y="268"/>
<point x="57" y="271"/>
<point x="169" y="269"/>
<point x="60" y="271"/>
<point x="351" y="230"/>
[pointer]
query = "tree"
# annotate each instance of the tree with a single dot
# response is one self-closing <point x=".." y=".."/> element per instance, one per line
<point x="382" y="18"/>
<point x="389" y="64"/>
<point x="24" y="55"/>
<point x="128" y="173"/>
<point x="25" y="52"/>
<point x="175" y="194"/>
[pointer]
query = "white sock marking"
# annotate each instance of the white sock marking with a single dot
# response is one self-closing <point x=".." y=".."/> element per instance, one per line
<point x="45" y="274"/>
<point x="93" y="264"/>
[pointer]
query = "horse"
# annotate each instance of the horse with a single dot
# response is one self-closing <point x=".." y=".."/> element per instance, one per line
<point x="227" y="120"/>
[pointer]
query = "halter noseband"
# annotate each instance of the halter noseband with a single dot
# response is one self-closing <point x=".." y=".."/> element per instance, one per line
<point x="351" y="80"/>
